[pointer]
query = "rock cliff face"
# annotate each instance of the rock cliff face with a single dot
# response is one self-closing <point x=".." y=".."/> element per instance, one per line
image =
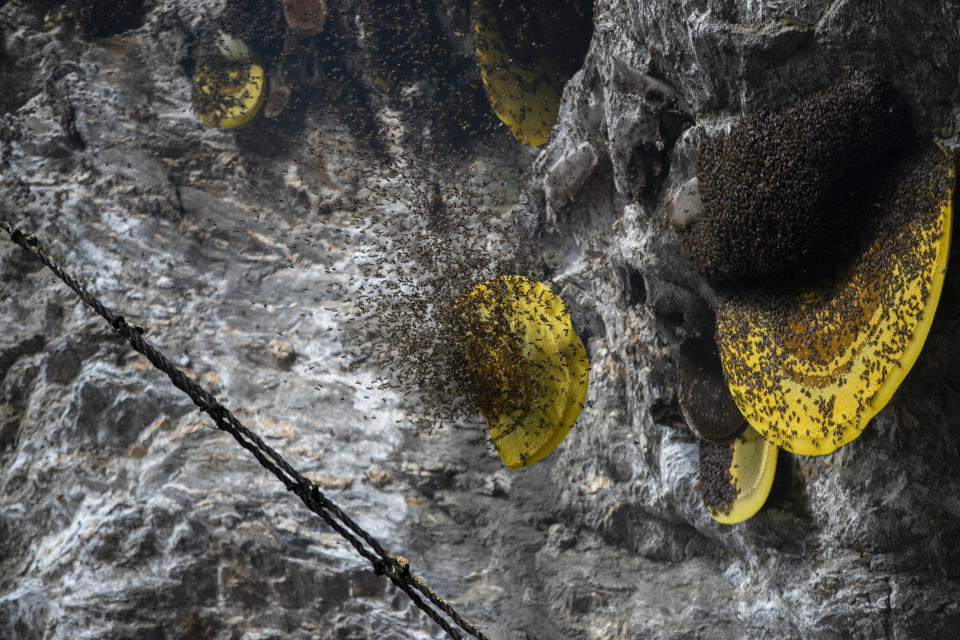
<point x="124" y="515"/>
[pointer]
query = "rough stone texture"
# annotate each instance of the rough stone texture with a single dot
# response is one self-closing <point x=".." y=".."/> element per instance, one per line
<point x="124" y="515"/>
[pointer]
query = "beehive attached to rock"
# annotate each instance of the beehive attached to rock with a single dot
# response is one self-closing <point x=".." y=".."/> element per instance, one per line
<point x="526" y="367"/>
<point x="810" y="366"/>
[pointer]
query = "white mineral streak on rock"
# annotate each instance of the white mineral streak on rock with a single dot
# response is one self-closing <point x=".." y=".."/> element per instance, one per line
<point x="678" y="469"/>
<point x="566" y="176"/>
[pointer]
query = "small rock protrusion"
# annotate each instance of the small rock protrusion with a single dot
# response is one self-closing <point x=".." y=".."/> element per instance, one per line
<point x="378" y="476"/>
<point x="685" y="206"/>
<point x="565" y="177"/>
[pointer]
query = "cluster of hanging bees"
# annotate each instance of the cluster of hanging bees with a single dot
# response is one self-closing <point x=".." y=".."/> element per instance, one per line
<point x="813" y="336"/>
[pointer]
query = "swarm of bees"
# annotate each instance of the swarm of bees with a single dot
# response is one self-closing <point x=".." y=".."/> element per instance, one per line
<point x="439" y="236"/>
<point x="458" y="340"/>
<point x="94" y="18"/>
<point x="448" y="360"/>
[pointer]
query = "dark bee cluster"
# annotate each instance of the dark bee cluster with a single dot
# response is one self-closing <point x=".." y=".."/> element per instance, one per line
<point x="714" y="482"/>
<point x="705" y="401"/>
<point x="768" y="190"/>
<point x="489" y="365"/>
<point x="95" y="18"/>
<point x="260" y="24"/>
<point x="368" y="54"/>
<point x="413" y="45"/>
<point x="559" y="29"/>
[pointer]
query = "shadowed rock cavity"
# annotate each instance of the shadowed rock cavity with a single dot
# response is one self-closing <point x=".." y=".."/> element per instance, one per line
<point x="705" y="401"/>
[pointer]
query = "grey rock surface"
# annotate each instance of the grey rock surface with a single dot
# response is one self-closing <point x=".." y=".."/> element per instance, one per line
<point x="124" y="515"/>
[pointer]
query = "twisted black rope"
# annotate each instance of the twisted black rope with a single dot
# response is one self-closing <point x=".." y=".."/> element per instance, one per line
<point x="394" y="567"/>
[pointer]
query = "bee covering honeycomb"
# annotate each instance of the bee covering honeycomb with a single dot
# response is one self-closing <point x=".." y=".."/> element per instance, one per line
<point x="526" y="367"/>
<point x="229" y="84"/>
<point x="526" y="52"/>
<point x="810" y="366"/>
